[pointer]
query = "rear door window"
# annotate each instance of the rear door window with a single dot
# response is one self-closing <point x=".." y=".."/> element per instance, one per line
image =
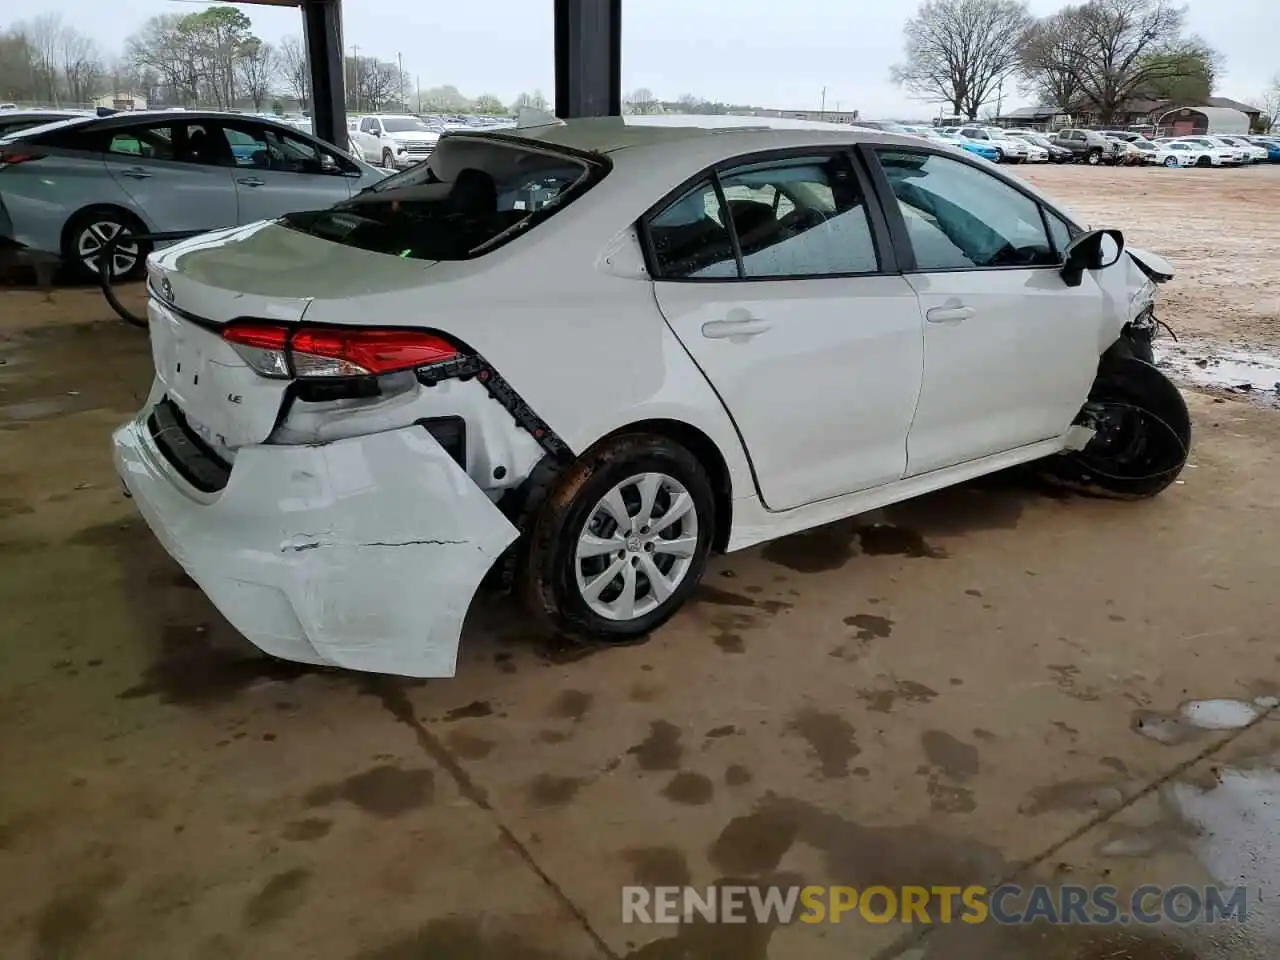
<point x="689" y="237"/>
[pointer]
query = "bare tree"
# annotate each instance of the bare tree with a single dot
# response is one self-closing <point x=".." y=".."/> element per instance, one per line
<point x="17" y="66"/>
<point x="81" y="67"/>
<point x="1270" y="106"/>
<point x="294" y="70"/>
<point x="530" y="101"/>
<point x="1118" y="49"/>
<point x="641" y="101"/>
<point x="166" y="49"/>
<point x="959" y="52"/>
<point x="44" y="35"/>
<point x="375" y="83"/>
<point x="257" y="66"/>
<point x="1047" y="61"/>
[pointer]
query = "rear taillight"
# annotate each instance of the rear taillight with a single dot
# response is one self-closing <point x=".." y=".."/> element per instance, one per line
<point x="11" y="158"/>
<point x="306" y="352"/>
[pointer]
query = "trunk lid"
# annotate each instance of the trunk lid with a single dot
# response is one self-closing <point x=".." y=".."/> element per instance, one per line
<point x="265" y="272"/>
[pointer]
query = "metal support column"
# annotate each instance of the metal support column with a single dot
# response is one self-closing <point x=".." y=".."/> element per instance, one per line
<point x="322" y="26"/>
<point x="588" y="37"/>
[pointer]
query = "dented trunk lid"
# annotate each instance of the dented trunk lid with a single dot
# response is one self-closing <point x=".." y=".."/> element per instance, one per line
<point x="265" y="272"/>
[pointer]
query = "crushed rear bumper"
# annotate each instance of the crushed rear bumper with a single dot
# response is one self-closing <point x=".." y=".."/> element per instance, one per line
<point x="362" y="553"/>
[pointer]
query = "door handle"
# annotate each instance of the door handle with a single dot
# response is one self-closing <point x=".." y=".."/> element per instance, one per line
<point x="136" y="173"/>
<point x="725" y="329"/>
<point x="251" y="182"/>
<point x="949" y="315"/>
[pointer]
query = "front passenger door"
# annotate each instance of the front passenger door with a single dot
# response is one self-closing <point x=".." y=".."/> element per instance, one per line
<point x="1010" y="350"/>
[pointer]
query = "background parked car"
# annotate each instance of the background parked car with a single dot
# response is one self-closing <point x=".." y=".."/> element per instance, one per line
<point x="397" y="141"/>
<point x="1270" y="144"/>
<point x="69" y="187"/>
<point x="1056" y="153"/>
<point x="1205" y="153"/>
<point x="1087" y="145"/>
<point x="1170" y="154"/>
<point x="1251" y="151"/>
<point x="1008" y="149"/>
<point x="1221" y="154"/>
<point x="976" y="147"/>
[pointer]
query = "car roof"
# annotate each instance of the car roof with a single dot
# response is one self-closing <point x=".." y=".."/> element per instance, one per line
<point x="607" y="135"/>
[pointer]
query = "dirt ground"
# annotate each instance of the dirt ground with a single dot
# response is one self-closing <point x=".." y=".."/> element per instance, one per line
<point x="983" y="685"/>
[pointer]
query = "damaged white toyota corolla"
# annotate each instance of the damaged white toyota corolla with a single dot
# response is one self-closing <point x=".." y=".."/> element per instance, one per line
<point x="580" y="357"/>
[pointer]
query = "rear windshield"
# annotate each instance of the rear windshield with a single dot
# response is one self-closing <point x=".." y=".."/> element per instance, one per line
<point x="472" y="196"/>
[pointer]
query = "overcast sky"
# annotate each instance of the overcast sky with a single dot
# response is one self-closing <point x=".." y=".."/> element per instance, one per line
<point x="764" y="52"/>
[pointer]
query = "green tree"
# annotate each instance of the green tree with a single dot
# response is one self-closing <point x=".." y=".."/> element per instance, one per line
<point x="1185" y="78"/>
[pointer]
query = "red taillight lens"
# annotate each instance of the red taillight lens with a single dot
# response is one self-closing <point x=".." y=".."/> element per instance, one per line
<point x="10" y="158"/>
<point x="345" y="352"/>
<point x="276" y="351"/>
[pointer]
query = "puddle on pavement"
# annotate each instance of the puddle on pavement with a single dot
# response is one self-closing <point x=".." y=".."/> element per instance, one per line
<point x="1195" y="718"/>
<point x="1250" y="374"/>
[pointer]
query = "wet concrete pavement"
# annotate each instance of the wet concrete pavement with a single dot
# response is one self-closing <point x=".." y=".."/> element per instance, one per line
<point x="983" y="685"/>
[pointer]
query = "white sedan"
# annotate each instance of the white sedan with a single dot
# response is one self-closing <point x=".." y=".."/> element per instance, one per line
<point x="1251" y="151"/>
<point x="582" y="356"/>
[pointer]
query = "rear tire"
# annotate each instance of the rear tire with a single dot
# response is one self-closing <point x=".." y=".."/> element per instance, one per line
<point x="89" y="230"/>
<point x="1170" y="161"/>
<point x="1143" y="435"/>
<point x="1204" y="162"/>
<point x="577" y="540"/>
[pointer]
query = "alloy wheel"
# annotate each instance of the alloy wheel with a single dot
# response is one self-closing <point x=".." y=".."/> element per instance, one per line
<point x="96" y="236"/>
<point x="636" y="546"/>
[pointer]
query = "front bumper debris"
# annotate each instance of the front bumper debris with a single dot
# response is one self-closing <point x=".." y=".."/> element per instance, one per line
<point x="362" y="553"/>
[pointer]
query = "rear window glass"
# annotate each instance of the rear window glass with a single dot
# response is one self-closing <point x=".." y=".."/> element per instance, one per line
<point x="472" y="196"/>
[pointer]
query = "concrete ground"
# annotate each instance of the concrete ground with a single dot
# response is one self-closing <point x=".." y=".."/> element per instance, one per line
<point x="981" y="685"/>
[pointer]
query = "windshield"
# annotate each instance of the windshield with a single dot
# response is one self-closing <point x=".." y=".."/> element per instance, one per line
<point x="405" y="125"/>
<point x="473" y="195"/>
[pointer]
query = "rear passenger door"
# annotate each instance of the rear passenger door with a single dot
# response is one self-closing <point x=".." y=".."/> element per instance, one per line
<point x="778" y="278"/>
<point x="173" y="172"/>
<point x="278" y="172"/>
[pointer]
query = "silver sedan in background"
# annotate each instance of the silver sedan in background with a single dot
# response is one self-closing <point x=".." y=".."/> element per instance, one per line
<point x="68" y="188"/>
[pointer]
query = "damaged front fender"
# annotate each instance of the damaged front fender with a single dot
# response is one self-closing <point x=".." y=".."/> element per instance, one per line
<point x="361" y="553"/>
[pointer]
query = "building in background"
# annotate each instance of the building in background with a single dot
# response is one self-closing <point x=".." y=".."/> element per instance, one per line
<point x="122" y="101"/>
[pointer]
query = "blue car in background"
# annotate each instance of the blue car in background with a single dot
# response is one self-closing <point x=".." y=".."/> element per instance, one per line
<point x="973" y="146"/>
<point x="1272" y="145"/>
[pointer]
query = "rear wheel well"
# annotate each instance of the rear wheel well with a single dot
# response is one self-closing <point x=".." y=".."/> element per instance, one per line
<point x="708" y="454"/>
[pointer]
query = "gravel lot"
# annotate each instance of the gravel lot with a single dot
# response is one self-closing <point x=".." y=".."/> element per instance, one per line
<point x="1221" y="230"/>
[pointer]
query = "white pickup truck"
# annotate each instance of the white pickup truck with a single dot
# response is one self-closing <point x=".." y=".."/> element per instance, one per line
<point x="395" y="140"/>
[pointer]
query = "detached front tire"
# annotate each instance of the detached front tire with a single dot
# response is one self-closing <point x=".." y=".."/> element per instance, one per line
<point x="621" y="542"/>
<point x="1142" y="435"/>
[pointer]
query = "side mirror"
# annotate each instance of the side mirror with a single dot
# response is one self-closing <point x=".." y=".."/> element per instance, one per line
<point x="1094" y="250"/>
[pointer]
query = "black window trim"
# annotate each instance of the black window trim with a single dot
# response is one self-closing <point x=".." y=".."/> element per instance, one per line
<point x="881" y="237"/>
<point x="898" y="224"/>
